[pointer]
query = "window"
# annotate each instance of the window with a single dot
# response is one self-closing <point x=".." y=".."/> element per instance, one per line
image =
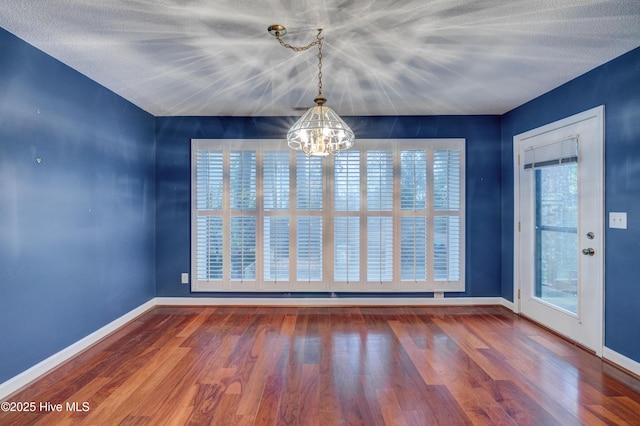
<point x="387" y="216"/>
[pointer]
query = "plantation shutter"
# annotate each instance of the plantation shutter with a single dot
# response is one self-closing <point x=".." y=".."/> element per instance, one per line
<point x="380" y="180"/>
<point x="209" y="248"/>
<point x="346" y="222"/>
<point x="309" y="192"/>
<point x="276" y="248"/>
<point x="413" y="226"/>
<point x="308" y="182"/>
<point x="209" y="182"/>
<point x="380" y="226"/>
<point x="347" y="182"/>
<point x="447" y="231"/>
<point x="209" y="189"/>
<point x="276" y="180"/>
<point x="309" y="243"/>
<point x="242" y="183"/>
<point x="276" y="215"/>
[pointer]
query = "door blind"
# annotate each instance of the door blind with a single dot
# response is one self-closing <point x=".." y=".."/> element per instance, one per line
<point x="553" y="154"/>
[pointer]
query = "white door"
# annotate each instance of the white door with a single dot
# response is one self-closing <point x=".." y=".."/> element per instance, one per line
<point x="559" y="236"/>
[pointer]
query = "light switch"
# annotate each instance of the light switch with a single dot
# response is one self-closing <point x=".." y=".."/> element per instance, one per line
<point x="185" y="278"/>
<point x="618" y="220"/>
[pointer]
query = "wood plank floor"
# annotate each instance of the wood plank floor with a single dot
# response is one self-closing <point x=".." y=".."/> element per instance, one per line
<point x="332" y="366"/>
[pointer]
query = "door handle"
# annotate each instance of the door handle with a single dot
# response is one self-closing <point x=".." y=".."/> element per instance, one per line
<point x="588" y="251"/>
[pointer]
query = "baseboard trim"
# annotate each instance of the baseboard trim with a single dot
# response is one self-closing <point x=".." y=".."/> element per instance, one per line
<point x="28" y="376"/>
<point x="621" y="360"/>
<point x="508" y="304"/>
<point x="328" y="301"/>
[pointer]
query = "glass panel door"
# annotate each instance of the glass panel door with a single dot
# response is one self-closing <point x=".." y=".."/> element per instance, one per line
<point x="556" y="236"/>
<point x="559" y="230"/>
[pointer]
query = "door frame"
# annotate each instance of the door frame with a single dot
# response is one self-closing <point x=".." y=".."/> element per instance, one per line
<point x="598" y="114"/>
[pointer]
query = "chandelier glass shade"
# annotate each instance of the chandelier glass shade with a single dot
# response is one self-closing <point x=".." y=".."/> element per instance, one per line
<point x="320" y="131"/>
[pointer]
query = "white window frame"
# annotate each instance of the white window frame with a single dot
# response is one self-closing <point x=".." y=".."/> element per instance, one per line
<point x="327" y="284"/>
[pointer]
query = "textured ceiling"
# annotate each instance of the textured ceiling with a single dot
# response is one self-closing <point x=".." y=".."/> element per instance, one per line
<point x="402" y="57"/>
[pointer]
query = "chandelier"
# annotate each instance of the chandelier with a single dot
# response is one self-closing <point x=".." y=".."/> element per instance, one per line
<point x="320" y="131"/>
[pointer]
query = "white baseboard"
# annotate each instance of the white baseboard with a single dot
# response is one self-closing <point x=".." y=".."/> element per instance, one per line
<point x="507" y="304"/>
<point x="621" y="360"/>
<point x="23" y="379"/>
<point x="328" y="301"/>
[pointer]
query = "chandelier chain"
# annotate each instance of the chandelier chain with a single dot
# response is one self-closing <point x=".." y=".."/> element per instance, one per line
<point x="319" y="65"/>
<point x="318" y="42"/>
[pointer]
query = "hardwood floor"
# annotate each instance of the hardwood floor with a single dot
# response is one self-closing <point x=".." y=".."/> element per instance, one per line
<point x="331" y="366"/>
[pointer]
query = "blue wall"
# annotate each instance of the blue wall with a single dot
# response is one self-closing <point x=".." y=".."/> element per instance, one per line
<point x="173" y="136"/>
<point x="615" y="84"/>
<point x="77" y="232"/>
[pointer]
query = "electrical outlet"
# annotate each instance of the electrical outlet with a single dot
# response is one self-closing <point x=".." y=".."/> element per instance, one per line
<point x="185" y="278"/>
<point x="618" y="220"/>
